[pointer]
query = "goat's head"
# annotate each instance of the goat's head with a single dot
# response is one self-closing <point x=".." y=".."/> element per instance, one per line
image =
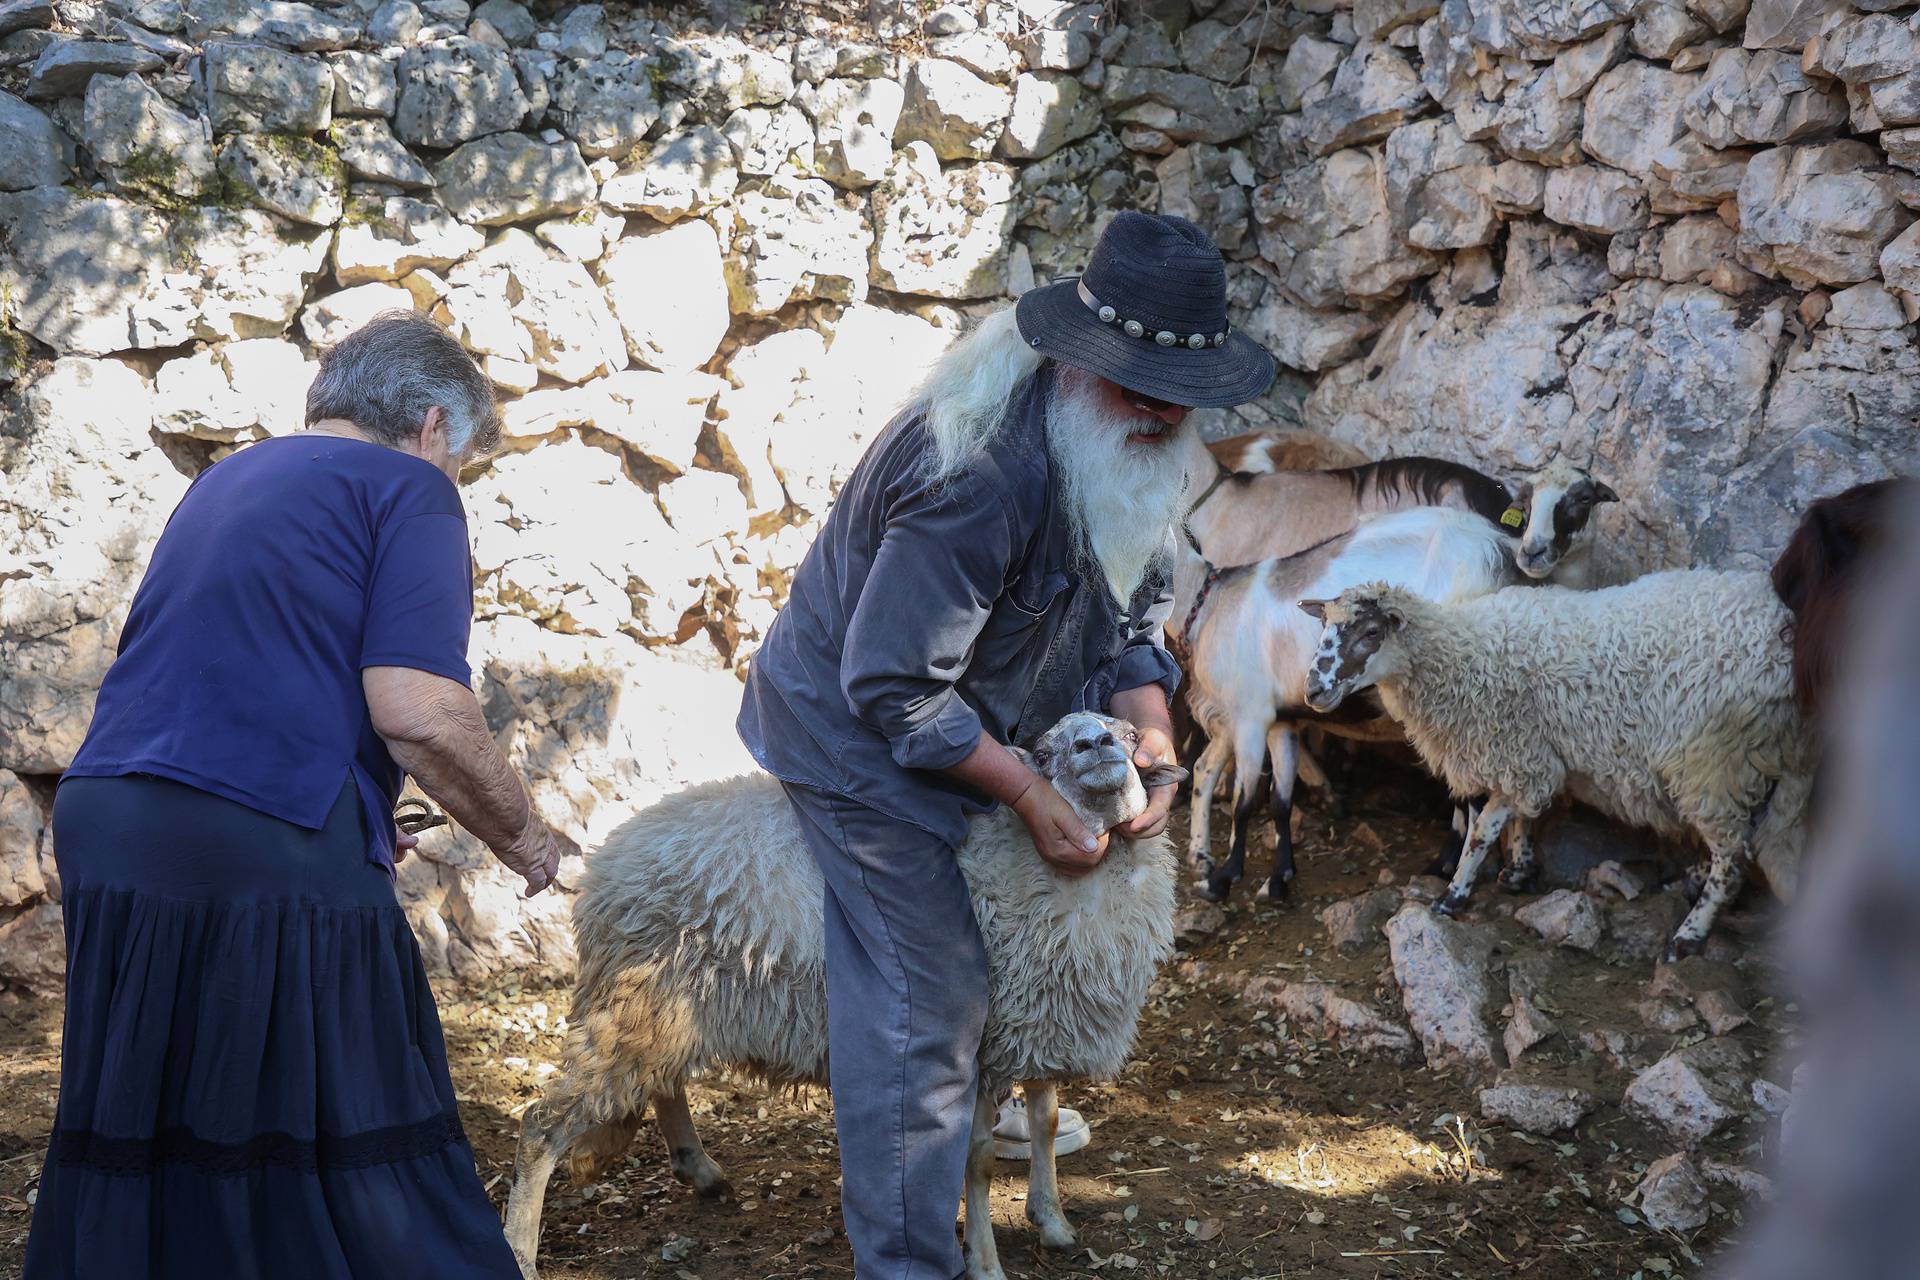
<point x="1088" y="758"/>
<point x="1557" y="503"/>
<point x="1357" y="642"/>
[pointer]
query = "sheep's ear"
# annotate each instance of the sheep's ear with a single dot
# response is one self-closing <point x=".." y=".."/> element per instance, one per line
<point x="1604" y="493"/>
<point x="1162" y="775"/>
<point x="1025" y="757"/>
<point x="1395" y="618"/>
<point x="1314" y="609"/>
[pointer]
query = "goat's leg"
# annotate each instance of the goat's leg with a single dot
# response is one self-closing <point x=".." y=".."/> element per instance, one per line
<point x="1283" y="751"/>
<point x="1482" y="838"/>
<point x="1206" y="779"/>
<point x="1726" y="872"/>
<point x="545" y="1135"/>
<point x="983" y="1256"/>
<point x="1043" y="1183"/>
<point x="691" y="1163"/>
<point x="1522" y="867"/>
<point x="1249" y="752"/>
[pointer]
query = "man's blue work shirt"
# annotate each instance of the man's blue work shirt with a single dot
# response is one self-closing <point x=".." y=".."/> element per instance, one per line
<point x="286" y="570"/>
<point x="924" y="613"/>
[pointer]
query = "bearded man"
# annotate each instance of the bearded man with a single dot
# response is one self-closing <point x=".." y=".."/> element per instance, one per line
<point x="999" y="557"/>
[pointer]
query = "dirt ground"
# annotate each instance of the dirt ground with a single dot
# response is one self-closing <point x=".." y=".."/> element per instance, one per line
<point x="1231" y="1147"/>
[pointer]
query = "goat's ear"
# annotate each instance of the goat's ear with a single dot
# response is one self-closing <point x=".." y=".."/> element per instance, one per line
<point x="1603" y="493"/>
<point x="1314" y="609"/>
<point x="1162" y="775"/>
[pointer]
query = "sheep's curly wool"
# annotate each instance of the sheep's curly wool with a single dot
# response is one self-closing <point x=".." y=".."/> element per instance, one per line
<point x="701" y="945"/>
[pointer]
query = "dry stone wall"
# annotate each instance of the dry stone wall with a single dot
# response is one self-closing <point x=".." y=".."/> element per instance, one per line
<point x="705" y="254"/>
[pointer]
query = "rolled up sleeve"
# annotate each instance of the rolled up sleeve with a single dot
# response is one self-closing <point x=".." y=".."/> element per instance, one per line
<point x="941" y="565"/>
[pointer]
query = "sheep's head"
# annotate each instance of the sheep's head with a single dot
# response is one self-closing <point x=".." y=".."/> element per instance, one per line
<point x="1357" y="648"/>
<point x="1089" y="760"/>
<point x="1557" y="503"/>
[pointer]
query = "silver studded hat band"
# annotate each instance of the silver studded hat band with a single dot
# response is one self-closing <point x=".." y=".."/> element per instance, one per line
<point x="1134" y="329"/>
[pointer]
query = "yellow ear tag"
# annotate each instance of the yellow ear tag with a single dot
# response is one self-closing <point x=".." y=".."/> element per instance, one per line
<point x="1513" y="517"/>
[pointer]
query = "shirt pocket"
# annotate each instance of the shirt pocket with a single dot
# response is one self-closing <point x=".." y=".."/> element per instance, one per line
<point x="1018" y="613"/>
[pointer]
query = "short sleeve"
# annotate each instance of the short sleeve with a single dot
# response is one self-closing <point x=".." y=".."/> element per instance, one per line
<point x="420" y="599"/>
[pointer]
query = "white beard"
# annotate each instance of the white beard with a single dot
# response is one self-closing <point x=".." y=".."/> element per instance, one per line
<point x="1121" y="499"/>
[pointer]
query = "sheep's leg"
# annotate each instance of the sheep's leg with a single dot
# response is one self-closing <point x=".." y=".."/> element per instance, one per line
<point x="544" y="1138"/>
<point x="1726" y="872"/>
<point x="1043" y="1183"/>
<point x="1206" y="779"/>
<point x="1283" y="751"/>
<point x="1482" y="838"/>
<point x="1249" y="750"/>
<point x="983" y="1256"/>
<point x="1522" y="867"/>
<point x="691" y="1163"/>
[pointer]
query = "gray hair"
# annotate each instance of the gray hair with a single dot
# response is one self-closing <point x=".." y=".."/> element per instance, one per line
<point x="385" y="375"/>
<point x="965" y="397"/>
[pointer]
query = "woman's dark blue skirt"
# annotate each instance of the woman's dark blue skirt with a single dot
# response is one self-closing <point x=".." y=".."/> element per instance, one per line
<point x="252" y="1080"/>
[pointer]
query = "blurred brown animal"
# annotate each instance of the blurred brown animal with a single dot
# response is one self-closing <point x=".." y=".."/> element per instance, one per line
<point x="1259" y="452"/>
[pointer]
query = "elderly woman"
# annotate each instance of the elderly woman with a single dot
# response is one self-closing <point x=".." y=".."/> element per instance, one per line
<point x="253" y="1081"/>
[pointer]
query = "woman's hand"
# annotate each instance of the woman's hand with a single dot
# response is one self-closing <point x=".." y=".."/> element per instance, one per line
<point x="1059" y="837"/>
<point x="534" y="856"/>
<point x="1155" y="747"/>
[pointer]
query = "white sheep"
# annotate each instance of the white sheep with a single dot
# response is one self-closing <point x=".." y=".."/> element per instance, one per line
<point x="1665" y="703"/>
<point x="701" y="943"/>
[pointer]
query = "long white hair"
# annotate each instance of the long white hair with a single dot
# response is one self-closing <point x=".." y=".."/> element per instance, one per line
<point x="965" y="398"/>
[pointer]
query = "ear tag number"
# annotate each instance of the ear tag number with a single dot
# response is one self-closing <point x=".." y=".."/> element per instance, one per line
<point x="1513" y="517"/>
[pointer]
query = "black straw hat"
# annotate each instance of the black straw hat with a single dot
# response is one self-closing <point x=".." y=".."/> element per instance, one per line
<point x="1150" y="313"/>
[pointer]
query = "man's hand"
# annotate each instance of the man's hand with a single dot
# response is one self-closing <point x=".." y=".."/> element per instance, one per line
<point x="403" y="844"/>
<point x="1156" y="747"/>
<point x="1059" y="837"/>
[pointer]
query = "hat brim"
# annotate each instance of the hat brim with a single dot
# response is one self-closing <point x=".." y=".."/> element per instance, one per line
<point x="1056" y="323"/>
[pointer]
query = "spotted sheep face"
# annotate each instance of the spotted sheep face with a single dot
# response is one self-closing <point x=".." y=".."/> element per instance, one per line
<point x="1355" y="650"/>
<point x="1558" y="502"/>
<point x="1088" y="758"/>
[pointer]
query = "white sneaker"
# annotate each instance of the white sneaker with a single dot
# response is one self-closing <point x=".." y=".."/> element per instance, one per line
<point x="1013" y="1140"/>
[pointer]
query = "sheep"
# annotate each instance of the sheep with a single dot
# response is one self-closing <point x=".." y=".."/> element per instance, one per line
<point x="1665" y="703"/>
<point x="701" y="946"/>
<point x="1251" y="650"/>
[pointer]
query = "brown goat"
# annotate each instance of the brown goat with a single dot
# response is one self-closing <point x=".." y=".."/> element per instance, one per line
<point x="1260" y="452"/>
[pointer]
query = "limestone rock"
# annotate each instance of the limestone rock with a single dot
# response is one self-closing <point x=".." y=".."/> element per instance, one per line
<point x="1211" y="49"/>
<point x="1761" y="97"/>
<point x="1540" y="123"/>
<point x="241" y="273"/>
<point x="1868" y="48"/>
<point x="385" y="239"/>
<point x="1819" y="212"/>
<point x="272" y="375"/>
<point x="1307" y="72"/>
<point x="1663" y="28"/>
<point x="34" y="151"/>
<point x="333" y="317"/>
<point x="1595" y="198"/>
<point x="21" y="825"/>
<point x="1319" y="1010"/>
<point x="952" y="110"/>
<point x="1893" y="101"/>
<point x="1672" y="1196"/>
<point x="1208" y="186"/>
<point x="1531" y="27"/>
<point x="1048" y="112"/>
<point x="853" y="124"/>
<point x="1900" y="260"/>
<point x="33" y="949"/>
<point x="1441" y="967"/>
<point x="1575" y="69"/>
<point x="940" y="234"/>
<point x="255" y="89"/>
<point x="792" y="242"/>
<point x="1187" y="108"/>
<point x="981" y="52"/>
<point x="1536" y="1108"/>
<point x="395" y="22"/>
<point x="363" y="84"/>
<point x="455" y="90"/>
<point x="1527" y="1027"/>
<point x="668" y="289"/>
<point x="149" y="146"/>
<point x="583" y="32"/>
<point x="1353" y="924"/>
<point x="25" y="15"/>
<point x="1439" y="187"/>
<point x="607" y="105"/>
<point x="1383" y="17"/>
<point x="683" y="174"/>
<point x="64" y="69"/>
<point x="278" y="22"/>
<point x="508" y="17"/>
<point x="1196" y="923"/>
<point x="193" y="396"/>
<point x="1374" y="91"/>
<point x="520" y="300"/>
<point x="1785" y="24"/>
<point x="766" y="140"/>
<point x="1328" y="230"/>
<point x="704" y="506"/>
<point x="292" y="177"/>
<point x="369" y="150"/>
<point x="1632" y="113"/>
<point x="510" y="177"/>
<point x="1564" y="918"/>
<point x="79" y="270"/>
<point x="1693" y="1092"/>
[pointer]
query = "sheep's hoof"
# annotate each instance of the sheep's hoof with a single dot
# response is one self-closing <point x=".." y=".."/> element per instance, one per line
<point x="1518" y="879"/>
<point x="1680" y="948"/>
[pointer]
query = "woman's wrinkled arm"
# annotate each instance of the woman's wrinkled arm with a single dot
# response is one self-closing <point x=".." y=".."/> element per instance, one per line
<point x="435" y="731"/>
